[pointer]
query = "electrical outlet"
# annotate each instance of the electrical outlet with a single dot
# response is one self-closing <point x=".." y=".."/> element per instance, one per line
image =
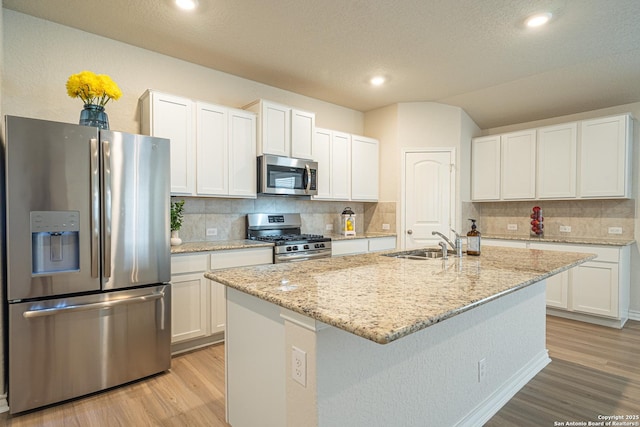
<point x="482" y="369"/>
<point x="212" y="231"/>
<point x="385" y="226"/>
<point x="512" y="227"/>
<point x="565" y="229"/>
<point x="615" y="230"/>
<point x="299" y="366"/>
<point x="328" y="227"/>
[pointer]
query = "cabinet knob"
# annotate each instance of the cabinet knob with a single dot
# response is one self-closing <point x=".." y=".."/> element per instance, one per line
<point x="409" y="231"/>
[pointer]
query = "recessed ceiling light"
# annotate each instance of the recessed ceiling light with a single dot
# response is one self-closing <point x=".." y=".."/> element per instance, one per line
<point x="538" y="20"/>
<point x="187" y="4"/>
<point x="377" y="80"/>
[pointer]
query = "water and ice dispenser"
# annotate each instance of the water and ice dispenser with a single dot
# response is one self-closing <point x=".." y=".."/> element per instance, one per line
<point x="55" y="242"/>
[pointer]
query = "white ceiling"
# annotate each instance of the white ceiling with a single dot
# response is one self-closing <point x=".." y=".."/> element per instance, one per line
<point x="475" y="54"/>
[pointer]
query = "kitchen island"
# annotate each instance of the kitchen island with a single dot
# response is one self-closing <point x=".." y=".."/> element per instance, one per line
<point x="376" y="340"/>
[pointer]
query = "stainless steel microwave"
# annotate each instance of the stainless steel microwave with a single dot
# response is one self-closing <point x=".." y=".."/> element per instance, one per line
<point x="287" y="176"/>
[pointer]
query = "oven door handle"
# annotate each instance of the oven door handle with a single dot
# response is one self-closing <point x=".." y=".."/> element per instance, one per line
<point x="301" y="256"/>
<point x="308" y="186"/>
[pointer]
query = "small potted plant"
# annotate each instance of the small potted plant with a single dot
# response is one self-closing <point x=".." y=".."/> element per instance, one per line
<point x="177" y="209"/>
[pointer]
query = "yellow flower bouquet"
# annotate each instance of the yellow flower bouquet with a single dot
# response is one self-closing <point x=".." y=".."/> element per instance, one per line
<point x="92" y="88"/>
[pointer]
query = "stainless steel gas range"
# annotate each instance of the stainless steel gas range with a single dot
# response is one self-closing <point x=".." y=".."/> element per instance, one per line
<point x="284" y="231"/>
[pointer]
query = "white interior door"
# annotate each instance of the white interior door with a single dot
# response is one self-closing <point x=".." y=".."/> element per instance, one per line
<point x="428" y="196"/>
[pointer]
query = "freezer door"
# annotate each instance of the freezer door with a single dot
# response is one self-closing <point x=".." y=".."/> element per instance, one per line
<point x="51" y="174"/>
<point x="135" y="210"/>
<point x="64" y="348"/>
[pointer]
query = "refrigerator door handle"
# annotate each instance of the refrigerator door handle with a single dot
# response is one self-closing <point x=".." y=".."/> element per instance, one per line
<point x="31" y="314"/>
<point x="106" y="187"/>
<point x="95" y="208"/>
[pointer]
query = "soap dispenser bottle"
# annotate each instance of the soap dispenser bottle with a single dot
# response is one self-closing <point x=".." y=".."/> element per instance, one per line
<point x="473" y="239"/>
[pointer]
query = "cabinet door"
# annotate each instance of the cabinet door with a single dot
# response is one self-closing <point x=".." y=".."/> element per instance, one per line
<point x="485" y="168"/>
<point x="364" y="168"/>
<point x="594" y="288"/>
<point x="242" y="154"/>
<point x="322" y="155"/>
<point x="212" y="150"/>
<point x="557" y="290"/>
<point x="518" y="165"/>
<point x="604" y="157"/>
<point x="341" y="166"/>
<point x="218" y="307"/>
<point x="302" y="132"/>
<point x="189" y="307"/>
<point x="172" y="118"/>
<point x="275" y="129"/>
<point x="557" y="159"/>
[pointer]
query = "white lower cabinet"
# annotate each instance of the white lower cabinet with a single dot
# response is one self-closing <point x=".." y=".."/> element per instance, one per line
<point x="198" y="306"/>
<point x="189" y="297"/>
<point x="363" y="245"/>
<point x="596" y="291"/>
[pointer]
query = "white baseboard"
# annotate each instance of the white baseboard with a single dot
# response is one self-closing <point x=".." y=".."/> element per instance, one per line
<point x="4" y="404"/>
<point x="494" y="402"/>
<point x="634" y="314"/>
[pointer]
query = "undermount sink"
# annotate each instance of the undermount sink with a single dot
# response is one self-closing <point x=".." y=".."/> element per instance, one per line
<point x="420" y="254"/>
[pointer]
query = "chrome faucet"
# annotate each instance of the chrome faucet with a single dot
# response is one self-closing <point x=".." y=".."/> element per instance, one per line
<point x="457" y="246"/>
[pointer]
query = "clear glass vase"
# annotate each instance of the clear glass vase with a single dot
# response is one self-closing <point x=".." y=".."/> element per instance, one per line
<point x="94" y="115"/>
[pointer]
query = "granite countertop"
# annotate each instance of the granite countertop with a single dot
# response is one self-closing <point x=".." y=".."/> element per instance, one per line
<point x="220" y="245"/>
<point x="575" y="240"/>
<point x="383" y="298"/>
<point x="359" y="236"/>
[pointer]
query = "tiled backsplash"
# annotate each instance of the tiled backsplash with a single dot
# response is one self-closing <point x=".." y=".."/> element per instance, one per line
<point x="228" y="216"/>
<point x="587" y="218"/>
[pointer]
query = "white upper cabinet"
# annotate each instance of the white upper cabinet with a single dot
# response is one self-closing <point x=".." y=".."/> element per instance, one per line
<point x="519" y="165"/>
<point x="171" y="117"/>
<point x="364" y="168"/>
<point x="282" y="130"/>
<point x="303" y="126"/>
<point x="242" y="153"/>
<point x="577" y="160"/>
<point x="557" y="160"/>
<point x="485" y="168"/>
<point x="213" y="148"/>
<point x="332" y="151"/>
<point x="605" y="157"/>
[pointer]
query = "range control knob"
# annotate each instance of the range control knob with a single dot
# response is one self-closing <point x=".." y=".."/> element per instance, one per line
<point x="288" y="248"/>
<point x="295" y="248"/>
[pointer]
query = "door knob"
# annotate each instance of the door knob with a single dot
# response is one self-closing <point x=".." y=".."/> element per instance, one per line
<point x="409" y="231"/>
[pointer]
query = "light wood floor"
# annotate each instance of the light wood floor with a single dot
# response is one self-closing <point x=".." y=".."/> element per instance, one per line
<point x="595" y="371"/>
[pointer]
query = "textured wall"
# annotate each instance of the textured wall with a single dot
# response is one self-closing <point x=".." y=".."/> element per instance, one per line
<point x="40" y="56"/>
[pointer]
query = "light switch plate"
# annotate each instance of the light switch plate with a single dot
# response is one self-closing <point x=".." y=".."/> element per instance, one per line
<point x="328" y="227"/>
<point x="565" y="229"/>
<point x="512" y="227"/>
<point x="385" y="226"/>
<point x="212" y="231"/>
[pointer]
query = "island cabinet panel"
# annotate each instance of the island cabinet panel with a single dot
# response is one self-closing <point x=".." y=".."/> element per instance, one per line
<point x="556" y="174"/>
<point x="485" y="168"/>
<point x="605" y="157"/>
<point x="518" y="165"/>
<point x="350" y="381"/>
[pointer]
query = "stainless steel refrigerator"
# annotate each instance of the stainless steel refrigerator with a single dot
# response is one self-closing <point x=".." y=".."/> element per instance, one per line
<point x="87" y="260"/>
